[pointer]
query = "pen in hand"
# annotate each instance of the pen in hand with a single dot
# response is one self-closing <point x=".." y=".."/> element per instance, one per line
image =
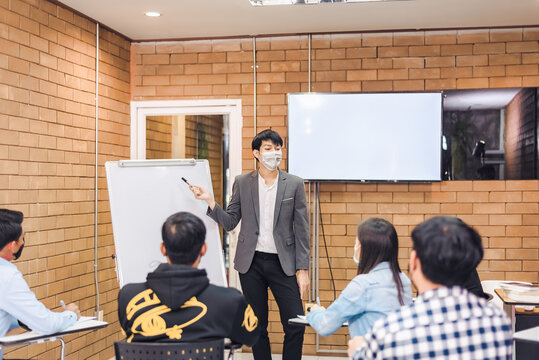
<point x="185" y="180"/>
<point x="71" y="307"/>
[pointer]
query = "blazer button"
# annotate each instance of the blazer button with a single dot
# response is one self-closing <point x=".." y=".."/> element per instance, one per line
<point x="257" y="233"/>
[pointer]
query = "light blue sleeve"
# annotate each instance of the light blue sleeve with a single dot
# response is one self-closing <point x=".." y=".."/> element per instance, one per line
<point x="14" y="324"/>
<point x="350" y="303"/>
<point x="21" y="303"/>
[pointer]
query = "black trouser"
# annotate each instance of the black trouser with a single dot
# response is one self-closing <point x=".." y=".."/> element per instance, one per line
<point x="266" y="271"/>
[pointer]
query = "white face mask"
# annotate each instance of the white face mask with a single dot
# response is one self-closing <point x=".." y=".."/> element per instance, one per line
<point x="356" y="260"/>
<point x="271" y="159"/>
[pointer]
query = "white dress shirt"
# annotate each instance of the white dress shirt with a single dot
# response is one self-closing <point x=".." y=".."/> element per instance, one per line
<point x="18" y="302"/>
<point x="266" y="203"/>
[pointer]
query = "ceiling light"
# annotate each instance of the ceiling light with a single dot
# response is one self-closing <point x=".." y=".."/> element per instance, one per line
<point x="152" y="14"/>
<point x="272" y="2"/>
<point x="310" y="2"/>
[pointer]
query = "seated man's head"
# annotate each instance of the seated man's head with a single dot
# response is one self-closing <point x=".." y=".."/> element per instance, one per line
<point x="184" y="237"/>
<point x="445" y="252"/>
<point x="11" y="234"/>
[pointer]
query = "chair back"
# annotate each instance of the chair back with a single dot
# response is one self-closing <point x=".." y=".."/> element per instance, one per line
<point x="208" y="350"/>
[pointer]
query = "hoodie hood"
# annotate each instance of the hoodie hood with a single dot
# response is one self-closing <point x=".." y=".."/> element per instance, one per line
<point x="175" y="284"/>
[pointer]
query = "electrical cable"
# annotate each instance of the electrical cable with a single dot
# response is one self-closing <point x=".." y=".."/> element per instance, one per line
<point x="327" y="255"/>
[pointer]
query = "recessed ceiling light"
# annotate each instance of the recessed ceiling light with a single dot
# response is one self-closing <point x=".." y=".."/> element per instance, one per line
<point x="310" y="2"/>
<point x="152" y="14"/>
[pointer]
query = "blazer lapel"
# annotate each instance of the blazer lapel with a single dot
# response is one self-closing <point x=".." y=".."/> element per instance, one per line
<point x="281" y="187"/>
<point x="254" y="195"/>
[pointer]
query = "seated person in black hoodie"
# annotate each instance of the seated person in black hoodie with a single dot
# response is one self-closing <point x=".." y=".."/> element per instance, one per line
<point x="177" y="302"/>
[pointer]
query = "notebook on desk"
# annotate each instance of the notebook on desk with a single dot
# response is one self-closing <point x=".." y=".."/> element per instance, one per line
<point x="302" y="320"/>
<point x="83" y="324"/>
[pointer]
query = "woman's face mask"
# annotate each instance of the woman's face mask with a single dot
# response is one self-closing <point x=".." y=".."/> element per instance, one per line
<point x="357" y="252"/>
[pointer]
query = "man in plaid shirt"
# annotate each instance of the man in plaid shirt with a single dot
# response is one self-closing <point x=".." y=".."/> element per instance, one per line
<point x="445" y="321"/>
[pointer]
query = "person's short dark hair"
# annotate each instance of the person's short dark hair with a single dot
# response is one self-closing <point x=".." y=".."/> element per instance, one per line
<point x="183" y="235"/>
<point x="10" y="226"/>
<point x="448" y="249"/>
<point x="267" y="134"/>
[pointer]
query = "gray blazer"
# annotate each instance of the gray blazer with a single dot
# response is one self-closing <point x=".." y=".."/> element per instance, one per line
<point x="290" y="221"/>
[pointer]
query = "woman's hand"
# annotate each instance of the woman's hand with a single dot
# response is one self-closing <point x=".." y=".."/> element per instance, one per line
<point x="354" y="344"/>
<point x="316" y="307"/>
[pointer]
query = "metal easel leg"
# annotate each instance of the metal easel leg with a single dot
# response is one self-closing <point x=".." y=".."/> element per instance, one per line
<point x="513" y="325"/>
<point x="62" y="352"/>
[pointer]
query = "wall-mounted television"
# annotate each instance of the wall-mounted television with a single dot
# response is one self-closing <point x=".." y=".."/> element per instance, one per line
<point x="365" y="136"/>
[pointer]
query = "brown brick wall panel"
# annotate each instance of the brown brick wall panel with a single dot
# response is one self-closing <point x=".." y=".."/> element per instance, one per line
<point x="53" y="155"/>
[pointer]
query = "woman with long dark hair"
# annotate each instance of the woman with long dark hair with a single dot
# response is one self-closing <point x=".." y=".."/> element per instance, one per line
<point x="378" y="289"/>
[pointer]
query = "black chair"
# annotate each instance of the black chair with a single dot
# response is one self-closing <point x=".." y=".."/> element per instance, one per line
<point x="208" y="350"/>
<point x="232" y="347"/>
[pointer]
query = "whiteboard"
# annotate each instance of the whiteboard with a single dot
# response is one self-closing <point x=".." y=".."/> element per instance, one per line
<point x="142" y="195"/>
<point x="369" y="136"/>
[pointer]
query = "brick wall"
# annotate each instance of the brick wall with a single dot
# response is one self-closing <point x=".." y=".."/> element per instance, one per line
<point x="505" y="212"/>
<point x="47" y="131"/>
<point x="159" y="137"/>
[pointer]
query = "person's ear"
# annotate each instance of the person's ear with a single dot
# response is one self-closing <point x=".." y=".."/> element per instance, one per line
<point x="413" y="261"/>
<point x="256" y="154"/>
<point x="163" y="249"/>
<point x="203" y="250"/>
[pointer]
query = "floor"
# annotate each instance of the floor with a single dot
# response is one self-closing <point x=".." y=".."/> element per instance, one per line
<point x="249" y="356"/>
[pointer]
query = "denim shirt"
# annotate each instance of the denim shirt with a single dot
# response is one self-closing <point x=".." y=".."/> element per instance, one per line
<point x="18" y="302"/>
<point x="367" y="298"/>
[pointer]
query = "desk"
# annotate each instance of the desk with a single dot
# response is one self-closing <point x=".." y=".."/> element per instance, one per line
<point x="509" y="308"/>
<point x="301" y="321"/>
<point x="510" y="304"/>
<point x="32" y="337"/>
<point x="528" y="335"/>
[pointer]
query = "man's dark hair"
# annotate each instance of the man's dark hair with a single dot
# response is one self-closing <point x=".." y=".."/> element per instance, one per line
<point x="10" y="226"/>
<point x="448" y="249"/>
<point x="183" y="235"/>
<point x="267" y="134"/>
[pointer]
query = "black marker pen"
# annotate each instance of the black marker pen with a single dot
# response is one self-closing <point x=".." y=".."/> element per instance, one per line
<point x="185" y="180"/>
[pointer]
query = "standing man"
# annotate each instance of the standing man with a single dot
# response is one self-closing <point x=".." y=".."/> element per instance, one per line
<point x="273" y="244"/>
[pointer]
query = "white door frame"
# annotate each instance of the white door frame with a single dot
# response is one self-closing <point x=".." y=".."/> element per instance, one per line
<point x="231" y="107"/>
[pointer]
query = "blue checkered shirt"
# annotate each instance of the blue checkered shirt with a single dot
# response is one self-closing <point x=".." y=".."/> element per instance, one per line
<point x="445" y="323"/>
